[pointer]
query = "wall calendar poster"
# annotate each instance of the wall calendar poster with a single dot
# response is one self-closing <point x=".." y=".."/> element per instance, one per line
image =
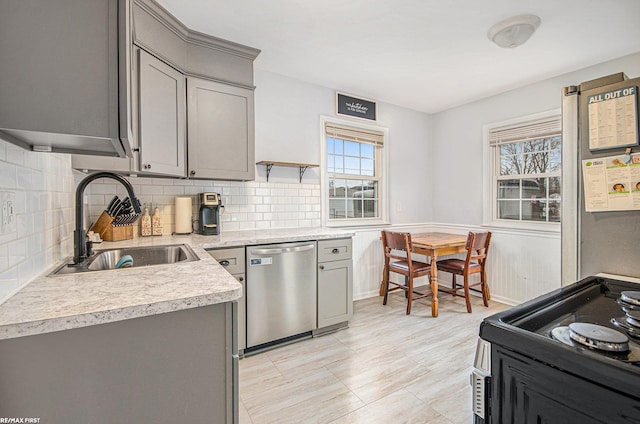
<point x="611" y="183"/>
<point x="613" y="118"/>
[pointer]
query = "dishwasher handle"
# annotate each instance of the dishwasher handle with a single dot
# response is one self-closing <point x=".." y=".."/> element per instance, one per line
<point x="279" y="250"/>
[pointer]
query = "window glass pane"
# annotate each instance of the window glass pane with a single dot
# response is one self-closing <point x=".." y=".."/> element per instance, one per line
<point x="338" y="146"/>
<point x="510" y="149"/>
<point x="353" y="186"/>
<point x="533" y="210"/>
<point x="555" y="187"/>
<point x="351" y="148"/>
<point x="534" y="188"/>
<point x="338" y="164"/>
<point x="337" y="208"/>
<point x="508" y="189"/>
<point x="367" y="150"/>
<point x="337" y="188"/>
<point x="331" y="160"/>
<point x="509" y="209"/>
<point x="351" y="165"/>
<point x="534" y="145"/>
<point x="370" y="209"/>
<point x="511" y="165"/>
<point x="366" y="166"/>
<point x="555" y="161"/>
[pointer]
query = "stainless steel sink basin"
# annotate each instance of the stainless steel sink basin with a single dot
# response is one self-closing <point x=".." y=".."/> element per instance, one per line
<point x="141" y="257"/>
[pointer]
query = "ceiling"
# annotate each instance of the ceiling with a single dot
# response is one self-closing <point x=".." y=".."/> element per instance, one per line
<point x="427" y="55"/>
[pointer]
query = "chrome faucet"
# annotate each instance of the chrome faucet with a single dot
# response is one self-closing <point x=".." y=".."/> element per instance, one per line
<point x="82" y="248"/>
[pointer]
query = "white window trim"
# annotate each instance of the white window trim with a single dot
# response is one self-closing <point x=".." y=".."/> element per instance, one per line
<point x="324" y="178"/>
<point x="489" y="189"/>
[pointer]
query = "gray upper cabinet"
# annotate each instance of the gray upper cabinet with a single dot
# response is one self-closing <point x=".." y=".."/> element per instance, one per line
<point x="219" y="117"/>
<point x="220" y="123"/>
<point x="161" y="118"/>
<point x="65" y="75"/>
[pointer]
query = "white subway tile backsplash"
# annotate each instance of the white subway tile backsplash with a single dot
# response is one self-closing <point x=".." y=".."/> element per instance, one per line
<point x="173" y="190"/>
<point x="43" y="186"/>
<point x="248" y="205"/>
<point x="15" y="154"/>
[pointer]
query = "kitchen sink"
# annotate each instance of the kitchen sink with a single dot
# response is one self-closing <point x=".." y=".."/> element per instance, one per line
<point x="142" y="256"/>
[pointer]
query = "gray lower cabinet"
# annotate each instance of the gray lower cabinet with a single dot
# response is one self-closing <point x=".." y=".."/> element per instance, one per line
<point x="335" y="282"/>
<point x="161" y="124"/>
<point x="220" y="124"/>
<point x="176" y="367"/>
<point x="233" y="260"/>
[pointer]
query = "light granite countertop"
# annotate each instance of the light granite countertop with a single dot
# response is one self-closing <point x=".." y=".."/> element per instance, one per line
<point x="57" y="303"/>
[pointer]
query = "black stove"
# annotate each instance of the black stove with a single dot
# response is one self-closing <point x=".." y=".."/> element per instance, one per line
<point x="571" y="356"/>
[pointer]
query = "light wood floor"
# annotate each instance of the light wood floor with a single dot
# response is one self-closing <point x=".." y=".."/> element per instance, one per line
<point x="386" y="368"/>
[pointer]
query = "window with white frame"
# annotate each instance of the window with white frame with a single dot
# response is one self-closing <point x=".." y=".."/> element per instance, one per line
<point x="353" y="190"/>
<point x="526" y="171"/>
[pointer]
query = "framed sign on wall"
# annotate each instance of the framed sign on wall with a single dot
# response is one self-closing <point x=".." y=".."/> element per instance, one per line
<point x="348" y="105"/>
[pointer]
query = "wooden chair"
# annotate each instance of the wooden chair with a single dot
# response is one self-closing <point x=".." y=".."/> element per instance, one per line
<point x="475" y="263"/>
<point x="397" y="258"/>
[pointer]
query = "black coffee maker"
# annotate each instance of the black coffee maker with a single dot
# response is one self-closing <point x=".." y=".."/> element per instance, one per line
<point x="209" y="214"/>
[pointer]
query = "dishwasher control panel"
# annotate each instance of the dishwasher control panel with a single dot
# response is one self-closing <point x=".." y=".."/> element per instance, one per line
<point x="260" y="261"/>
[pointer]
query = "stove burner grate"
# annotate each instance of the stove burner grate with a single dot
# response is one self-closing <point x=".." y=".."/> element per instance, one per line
<point x="598" y="337"/>
<point x="630" y="297"/>
<point x="631" y="355"/>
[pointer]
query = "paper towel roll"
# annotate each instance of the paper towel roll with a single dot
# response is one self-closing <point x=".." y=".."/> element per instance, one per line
<point x="184" y="212"/>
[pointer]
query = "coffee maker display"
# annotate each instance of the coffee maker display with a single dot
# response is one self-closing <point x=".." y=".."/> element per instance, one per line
<point x="210" y="205"/>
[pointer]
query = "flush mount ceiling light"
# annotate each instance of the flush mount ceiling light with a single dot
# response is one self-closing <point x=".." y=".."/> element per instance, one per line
<point x="514" y="31"/>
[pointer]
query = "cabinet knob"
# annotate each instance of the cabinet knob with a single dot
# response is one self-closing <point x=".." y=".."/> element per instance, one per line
<point x="321" y="266"/>
<point x="241" y="279"/>
<point x="146" y="166"/>
<point x="335" y="251"/>
<point x="224" y="263"/>
<point x="192" y="173"/>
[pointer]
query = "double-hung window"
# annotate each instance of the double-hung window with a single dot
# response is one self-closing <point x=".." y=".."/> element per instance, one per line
<point x="353" y="183"/>
<point x="526" y="171"/>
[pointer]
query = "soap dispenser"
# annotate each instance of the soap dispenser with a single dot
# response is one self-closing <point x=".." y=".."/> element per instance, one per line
<point x="145" y="222"/>
<point x="156" y="224"/>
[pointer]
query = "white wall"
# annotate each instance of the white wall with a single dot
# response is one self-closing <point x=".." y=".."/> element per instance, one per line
<point x="288" y="130"/>
<point x="457" y="137"/>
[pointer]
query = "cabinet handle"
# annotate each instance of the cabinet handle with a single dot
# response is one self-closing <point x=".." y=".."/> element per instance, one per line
<point x="335" y="251"/>
<point x="321" y="267"/>
<point x="224" y="263"/>
<point x="241" y="279"/>
<point x="146" y="166"/>
<point x="192" y="173"/>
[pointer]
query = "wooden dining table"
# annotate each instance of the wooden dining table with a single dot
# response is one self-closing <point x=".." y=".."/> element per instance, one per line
<point x="435" y="245"/>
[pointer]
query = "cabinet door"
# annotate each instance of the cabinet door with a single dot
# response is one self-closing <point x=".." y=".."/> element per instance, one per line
<point x="335" y="292"/>
<point x="220" y="122"/>
<point x="161" y="117"/>
<point x="64" y="76"/>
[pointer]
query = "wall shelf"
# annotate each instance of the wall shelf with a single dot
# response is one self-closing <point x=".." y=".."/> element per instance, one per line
<point x="302" y="166"/>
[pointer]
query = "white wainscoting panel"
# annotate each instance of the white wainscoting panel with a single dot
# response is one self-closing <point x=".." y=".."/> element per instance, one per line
<point x="522" y="265"/>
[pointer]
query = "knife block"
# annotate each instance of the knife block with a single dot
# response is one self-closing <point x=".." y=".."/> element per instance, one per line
<point x="104" y="227"/>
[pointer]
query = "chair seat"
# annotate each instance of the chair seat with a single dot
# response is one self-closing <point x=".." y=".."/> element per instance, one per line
<point x="456" y="266"/>
<point x="403" y="267"/>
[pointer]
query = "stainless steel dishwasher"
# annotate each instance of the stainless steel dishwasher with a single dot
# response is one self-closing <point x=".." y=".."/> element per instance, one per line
<point x="281" y="291"/>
